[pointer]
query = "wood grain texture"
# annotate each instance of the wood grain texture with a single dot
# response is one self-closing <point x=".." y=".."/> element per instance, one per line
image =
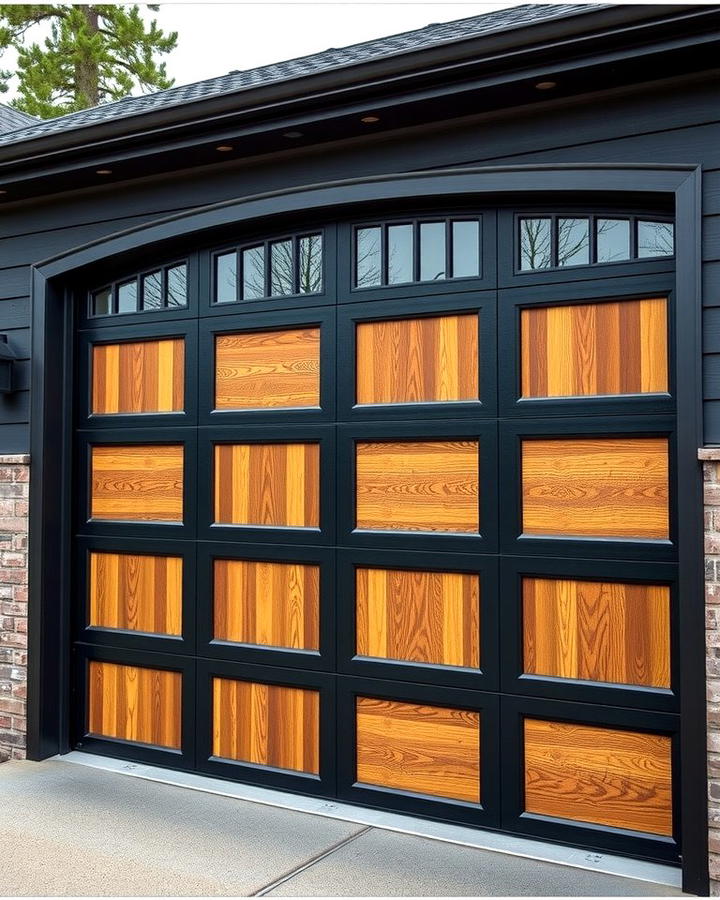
<point x="138" y="377"/>
<point x="417" y="360"/>
<point x="266" y="724"/>
<point x="418" y="486"/>
<point x="268" y="484"/>
<point x="421" y="617"/>
<point x="595" y="348"/>
<point x="136" y="593"/>
<point x="267" y="369"/>
<point x="606" y="776"/>
<point x="431" y="750"/>
<point x="272" y="604"/>
<point x="596" y="487"/>
<point x="597" y="631"/>
<point x="138" y="482"/>
<point x="133" y="703"/>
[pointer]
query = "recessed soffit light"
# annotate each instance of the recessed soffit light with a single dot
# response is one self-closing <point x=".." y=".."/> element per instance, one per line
<point x="370" y="120"/>
<point x="292" y="134"/>
<point x="103" y="171"/>
<point x="545" y="85"/>
<point x="224" y="148"/>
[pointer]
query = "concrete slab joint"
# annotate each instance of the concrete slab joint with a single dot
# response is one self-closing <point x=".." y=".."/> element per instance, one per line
<point x="14" y="488"/>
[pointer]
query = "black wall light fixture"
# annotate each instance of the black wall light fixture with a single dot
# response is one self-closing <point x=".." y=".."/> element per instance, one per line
<point x="7" y="359"/>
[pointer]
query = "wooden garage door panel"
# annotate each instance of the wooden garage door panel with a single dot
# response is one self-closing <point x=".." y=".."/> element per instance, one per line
<point x="136" y="592"/>
<point x="418" y="360"/>
<point x="590" y="349"/>
<point x="266" y="724"/>
<point x="135" y="703"/>
<point x="421" y="617"/>
<point x="138" y="377"/>
<point x="605" y="776"/>
<point x="596" y="487"/>
<point x="267" y="369"/>
<point x="138" y="482"/>
<point x="268" y="484"/>
<point x="418" y="486"/>
<point x="273" y="604"/>
<point x="597" y="631"/>
<point x="432" y="750"/>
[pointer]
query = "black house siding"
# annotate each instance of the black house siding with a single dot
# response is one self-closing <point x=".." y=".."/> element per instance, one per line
<point x="677" y="122"/>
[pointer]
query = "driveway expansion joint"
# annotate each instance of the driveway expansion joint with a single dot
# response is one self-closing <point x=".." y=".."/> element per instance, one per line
<point x="318" y="857"/>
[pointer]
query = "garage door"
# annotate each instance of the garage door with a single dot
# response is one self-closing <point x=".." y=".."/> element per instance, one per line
<point x="383" y="510"/>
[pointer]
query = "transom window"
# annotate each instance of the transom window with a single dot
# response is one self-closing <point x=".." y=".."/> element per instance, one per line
<point x="398" y="252"/>
<point x="557" y="241"/>
<point x="271" y="268"/>
<point x="162" y="288"/>
<point x="404" y="252"/>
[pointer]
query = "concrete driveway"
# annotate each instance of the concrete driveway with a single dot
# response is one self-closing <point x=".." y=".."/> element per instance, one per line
<point x="71" y="830"/>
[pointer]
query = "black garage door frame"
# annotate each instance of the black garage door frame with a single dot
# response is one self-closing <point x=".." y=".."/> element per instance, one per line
<point x="53" y="282"/>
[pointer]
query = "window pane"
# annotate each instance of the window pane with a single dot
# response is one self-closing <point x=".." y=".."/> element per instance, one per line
<point x="466" y="249"/>
<point x="127" y="297"/>
<point x="310" y="264"/>
<point x="177" y="286"/>
<point x="613" y="239"/>
<point x="573" y="242"/>
<point x="400" y="254"/>
<point x="535" y="244"/>
<point x="102" y="302"/>
<point x="368" y="266"/>
<point x="432" y="251"/>
<point x="152" y="291"/>
<point x="281" y="268"/>
<point x="226" y="278"/>
<point x="656" y="239"/>
<point x="253" y="273"/>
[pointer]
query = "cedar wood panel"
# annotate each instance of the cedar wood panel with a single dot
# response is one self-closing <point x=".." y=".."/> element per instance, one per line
<point x="668" y="123"/>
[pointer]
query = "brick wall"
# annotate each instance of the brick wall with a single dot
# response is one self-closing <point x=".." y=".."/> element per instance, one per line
<point x="711" y="470"/>
<point x="14" y="487"/>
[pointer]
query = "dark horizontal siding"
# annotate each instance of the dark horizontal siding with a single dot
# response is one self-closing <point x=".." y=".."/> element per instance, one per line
<point x="672" y="123"/>
<point x="14" y="282"/>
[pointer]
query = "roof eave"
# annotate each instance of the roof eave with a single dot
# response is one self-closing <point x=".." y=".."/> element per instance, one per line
<point x="357" y="74"/>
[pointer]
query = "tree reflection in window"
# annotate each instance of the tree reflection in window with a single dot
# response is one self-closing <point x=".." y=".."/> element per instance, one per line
<point x="655" y="239"/>
<point x="535" y="244"/>
<point x="310" y="270"/>
<point x="396" y="253"/>
<point x="177" y="286"/>
<point x="551" y="240"/>
<point x="253" y="273"/>
<point x="282" y="268"/>
<point x="613" y="239"/>
<point x="368" y="262"/>
<point x="573" y="242"/>
<point x="158" y="290"/>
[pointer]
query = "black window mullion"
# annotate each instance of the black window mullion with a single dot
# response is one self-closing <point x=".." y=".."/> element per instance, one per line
<point x="384" y="254"/>
<point x="240" y="269"/>
<point x="448" y="249"/>
<point x="267" y="267"/>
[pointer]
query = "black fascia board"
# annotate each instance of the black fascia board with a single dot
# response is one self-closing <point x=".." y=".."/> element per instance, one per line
<point x="569" y="44"/>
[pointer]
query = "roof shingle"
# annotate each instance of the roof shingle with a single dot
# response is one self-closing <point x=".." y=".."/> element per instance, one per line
<point x="13" y="119"/>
